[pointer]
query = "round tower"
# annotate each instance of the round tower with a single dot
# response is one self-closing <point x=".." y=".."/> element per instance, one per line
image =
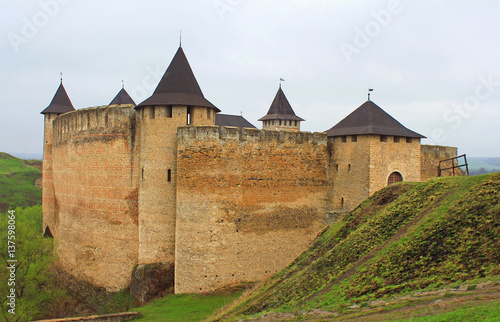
<point x="60" y="104"/>
<point x="177" y="101"/>
<point x="281" y="115"/>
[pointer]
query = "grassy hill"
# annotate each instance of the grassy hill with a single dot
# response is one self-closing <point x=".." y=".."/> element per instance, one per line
<point x="438" y="235"/>
<point x="17" y="182"/>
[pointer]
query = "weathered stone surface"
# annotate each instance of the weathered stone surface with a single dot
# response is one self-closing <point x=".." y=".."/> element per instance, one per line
<point x="247" y="204"/>
<point x="222" y="205"/>
<point x="95" y="192"/>
<point x="151" y="281"/>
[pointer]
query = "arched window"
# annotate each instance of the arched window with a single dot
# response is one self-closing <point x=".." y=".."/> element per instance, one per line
<point x="395" y="177"/>
<point x="169" y="175"/>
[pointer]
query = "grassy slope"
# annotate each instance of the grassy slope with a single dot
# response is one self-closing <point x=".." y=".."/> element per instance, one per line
<point x="17" y="178"/>
<point x="185" y="307"/>
<point x="408" y="236"/>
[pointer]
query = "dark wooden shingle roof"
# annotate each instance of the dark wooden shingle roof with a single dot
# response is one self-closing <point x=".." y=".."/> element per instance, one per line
<point x="371" y="119"/>
<point x="122" y="98"/>
<point x="280" y="109"/>
<point x="178" y="86"/>
<point x="60" y="104"/>
<point x="232" y="120"/>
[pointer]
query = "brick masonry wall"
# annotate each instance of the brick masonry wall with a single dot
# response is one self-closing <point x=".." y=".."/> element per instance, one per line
<point x="95" y="182"/>
<point x="157" y="196"/>
<point x="349" y="171"/>
<point x="390" y="156"/>
<point x="247" y="204"/>
<point x="430" y="157"/>
<point x="48" y="201"/>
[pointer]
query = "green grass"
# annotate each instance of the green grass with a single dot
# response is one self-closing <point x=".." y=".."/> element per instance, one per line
<point x="17" y="183"/>
<point x="185" y="307"/>
<point x="404" y="238"/>
<point x="487" y="312"/>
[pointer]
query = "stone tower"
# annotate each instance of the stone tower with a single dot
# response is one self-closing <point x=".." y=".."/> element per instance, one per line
<point x="281" y="115"/>
<point x="177" y="101"/>
<point x="60" y="104"/>
<point x="370" y="150"/>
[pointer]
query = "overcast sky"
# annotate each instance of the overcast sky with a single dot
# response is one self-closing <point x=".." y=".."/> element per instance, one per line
<point x="433" y="65"/>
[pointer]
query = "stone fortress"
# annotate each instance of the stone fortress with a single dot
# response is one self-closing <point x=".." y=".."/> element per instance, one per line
<point x="211" y="199"/>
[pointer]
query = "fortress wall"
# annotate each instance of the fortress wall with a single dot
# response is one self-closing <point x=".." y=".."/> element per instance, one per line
<point x="48" y="200"/>
<point x="387" y="157"/>
<point x="349" y="171"/>
<point x="95" y="181"/>
<point x="248" y="203"/>
<point x="430" y="157"/>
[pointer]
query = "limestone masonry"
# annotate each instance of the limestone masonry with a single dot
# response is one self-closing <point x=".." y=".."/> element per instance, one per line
<point x="213" y="205"/>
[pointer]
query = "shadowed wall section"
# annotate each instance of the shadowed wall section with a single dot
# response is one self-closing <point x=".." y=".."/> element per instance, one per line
<point x="247" y="203"/>
<point x="95" y="181"/>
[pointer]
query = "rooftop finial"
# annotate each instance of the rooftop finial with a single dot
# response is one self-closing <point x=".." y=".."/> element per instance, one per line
<point x="123" y="84"/>
<point x="281" y="80"/>
<point x="369" y="90"/>
<point x="61" y="77"/>
<point x="180" y="38"/>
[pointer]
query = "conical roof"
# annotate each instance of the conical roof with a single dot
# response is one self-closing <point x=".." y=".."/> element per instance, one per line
<point x="178" y="86"/>
<point x="369" y="118"/>
<point x="60" y="104"/>
<point x="280" y="109"/>
<point x="122" y="98"/>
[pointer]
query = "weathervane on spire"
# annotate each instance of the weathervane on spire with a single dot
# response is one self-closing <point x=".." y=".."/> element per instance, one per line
<point x="61" y="77"/>
<point x="123" y="84"/>
<point x="180" y="38"/>
<point x="369" y="90"/>
<point x="281" y="80"/>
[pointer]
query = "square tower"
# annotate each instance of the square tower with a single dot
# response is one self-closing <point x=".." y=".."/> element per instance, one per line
<point x="369" y="150"/>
